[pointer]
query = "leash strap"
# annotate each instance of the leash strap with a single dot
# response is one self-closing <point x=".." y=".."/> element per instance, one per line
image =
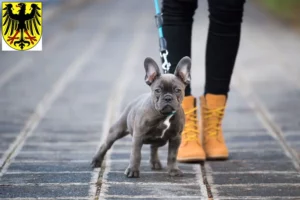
<point x="162" y="41"/>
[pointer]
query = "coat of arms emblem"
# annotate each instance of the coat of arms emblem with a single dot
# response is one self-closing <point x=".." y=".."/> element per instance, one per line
<point x="21" y="25"/>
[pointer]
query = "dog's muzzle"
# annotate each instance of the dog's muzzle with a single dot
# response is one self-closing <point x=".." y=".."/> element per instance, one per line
<point x="166" y="110"/>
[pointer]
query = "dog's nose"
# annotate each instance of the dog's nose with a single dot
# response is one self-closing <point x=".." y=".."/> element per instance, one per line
<point x="168" y="99"/>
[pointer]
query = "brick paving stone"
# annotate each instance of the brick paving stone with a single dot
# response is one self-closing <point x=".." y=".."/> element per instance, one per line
<point x="125" y="145"/>
<point x="7" y="127"/>
<point x="246" y="139"/>
<point x="158" y="190"/>
<point x="162" y="198"/>
<point x="259" y="155"/>
<point x="258" y="190"/>
<point x="263" y="197"/>
<point x="145" y="166"/>
<point x="152" y="178"/>
<point x="50" y="167"/>
<point x="46" y="178"/>
<point x="56" y="156"/>
<point x="287" y="120"/>
<point x="236" y="104"/>
<point x="255" y="178"/>
<point x="60" y="146"/>
<point x="126" y="155"/>
<point x="127" y="138"/>
<point x="288" y="101"/>
<point x="263" y="146"/>
<point x="247" y="133"/>
<point x="8" y="135"/>
<point x="69" y="133"/>
<point x="62" y="138"/>
<point x="241" y="121"/>
<point x="7" y="140"/>
<point x="55" y="152"/>
<point x="58" y="149"/>
<point x="54" y="127"/>
<point x="4" y="146"/>
<point x="244" y="166"/>
<point x="43" y="191"/>
<point x="291" y="138"/>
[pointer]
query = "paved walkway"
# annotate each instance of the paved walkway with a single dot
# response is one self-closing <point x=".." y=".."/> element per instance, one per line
<point x="57" y="105"/>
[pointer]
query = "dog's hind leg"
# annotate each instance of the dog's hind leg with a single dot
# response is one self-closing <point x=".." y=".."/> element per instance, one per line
<point x="154" y="159"/>
<point x="116" y="132"/>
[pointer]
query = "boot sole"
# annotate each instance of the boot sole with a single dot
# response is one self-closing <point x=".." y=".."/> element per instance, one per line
<point x="190" y="160"/>
<point x="217" y="158"/>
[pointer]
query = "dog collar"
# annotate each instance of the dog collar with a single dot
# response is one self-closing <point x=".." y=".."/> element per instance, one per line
<point x="172" y="113"/>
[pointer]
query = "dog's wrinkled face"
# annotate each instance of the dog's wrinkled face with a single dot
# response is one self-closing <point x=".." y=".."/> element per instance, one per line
<point x="167" y="89"/>
<point x="167" y="93"/>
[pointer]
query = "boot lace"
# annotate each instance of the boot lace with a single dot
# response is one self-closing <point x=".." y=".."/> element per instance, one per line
<point x="213" y="118"/>
<point x="191" y="129"/>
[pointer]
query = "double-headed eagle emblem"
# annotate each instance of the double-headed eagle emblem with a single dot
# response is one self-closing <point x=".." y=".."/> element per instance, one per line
<point x="21" y="24"/>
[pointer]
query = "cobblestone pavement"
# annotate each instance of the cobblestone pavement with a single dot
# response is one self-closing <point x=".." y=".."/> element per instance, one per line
<point x="57" y="105"/>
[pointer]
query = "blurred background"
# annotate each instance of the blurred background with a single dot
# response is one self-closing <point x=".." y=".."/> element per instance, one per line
<point x="56" y="105"/>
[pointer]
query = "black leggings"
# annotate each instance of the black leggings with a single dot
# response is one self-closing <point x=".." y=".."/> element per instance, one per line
<point x="223" y="39"/>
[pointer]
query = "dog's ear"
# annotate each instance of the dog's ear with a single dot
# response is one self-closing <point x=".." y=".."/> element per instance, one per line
<point x="183" y="70"/>
<point x="152" y="70"/>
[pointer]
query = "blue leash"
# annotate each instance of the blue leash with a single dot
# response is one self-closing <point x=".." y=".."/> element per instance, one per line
<point x="162" y="41"/>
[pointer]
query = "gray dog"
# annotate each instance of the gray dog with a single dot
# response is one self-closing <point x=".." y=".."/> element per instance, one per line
<point x="155" y="118"/>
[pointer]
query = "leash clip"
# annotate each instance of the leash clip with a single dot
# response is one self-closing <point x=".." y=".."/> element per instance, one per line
<point x="165" y="65"/>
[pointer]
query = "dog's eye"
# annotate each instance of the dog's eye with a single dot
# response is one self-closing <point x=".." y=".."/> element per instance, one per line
<point x="177" y="90"/>
<point x="157" y="90"/>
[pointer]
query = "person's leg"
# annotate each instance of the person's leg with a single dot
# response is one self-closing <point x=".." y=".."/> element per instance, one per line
<point x="223" y="39"/>
<point x="222" y="43"/>
<point x="177" y="29"/>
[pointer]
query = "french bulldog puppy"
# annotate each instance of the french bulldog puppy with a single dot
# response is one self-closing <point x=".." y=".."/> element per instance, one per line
<point x="154" y="118"/>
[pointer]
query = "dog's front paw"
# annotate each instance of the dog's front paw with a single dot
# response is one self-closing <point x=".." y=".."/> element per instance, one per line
<point x="175" y="172"/>
<point x="132" y="173"/>
<point x="156" y="165"/>
<point x="97" y="162"/>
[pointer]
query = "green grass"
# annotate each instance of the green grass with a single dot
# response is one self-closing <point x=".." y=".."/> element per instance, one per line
<point x="286" y="9"/>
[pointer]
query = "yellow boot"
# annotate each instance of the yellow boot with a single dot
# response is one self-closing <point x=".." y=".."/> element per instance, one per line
<point x="190" y="149"/>
<point x="212" y="112"/>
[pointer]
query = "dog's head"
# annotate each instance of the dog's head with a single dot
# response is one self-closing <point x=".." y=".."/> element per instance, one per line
<point x="167" y="89"/>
